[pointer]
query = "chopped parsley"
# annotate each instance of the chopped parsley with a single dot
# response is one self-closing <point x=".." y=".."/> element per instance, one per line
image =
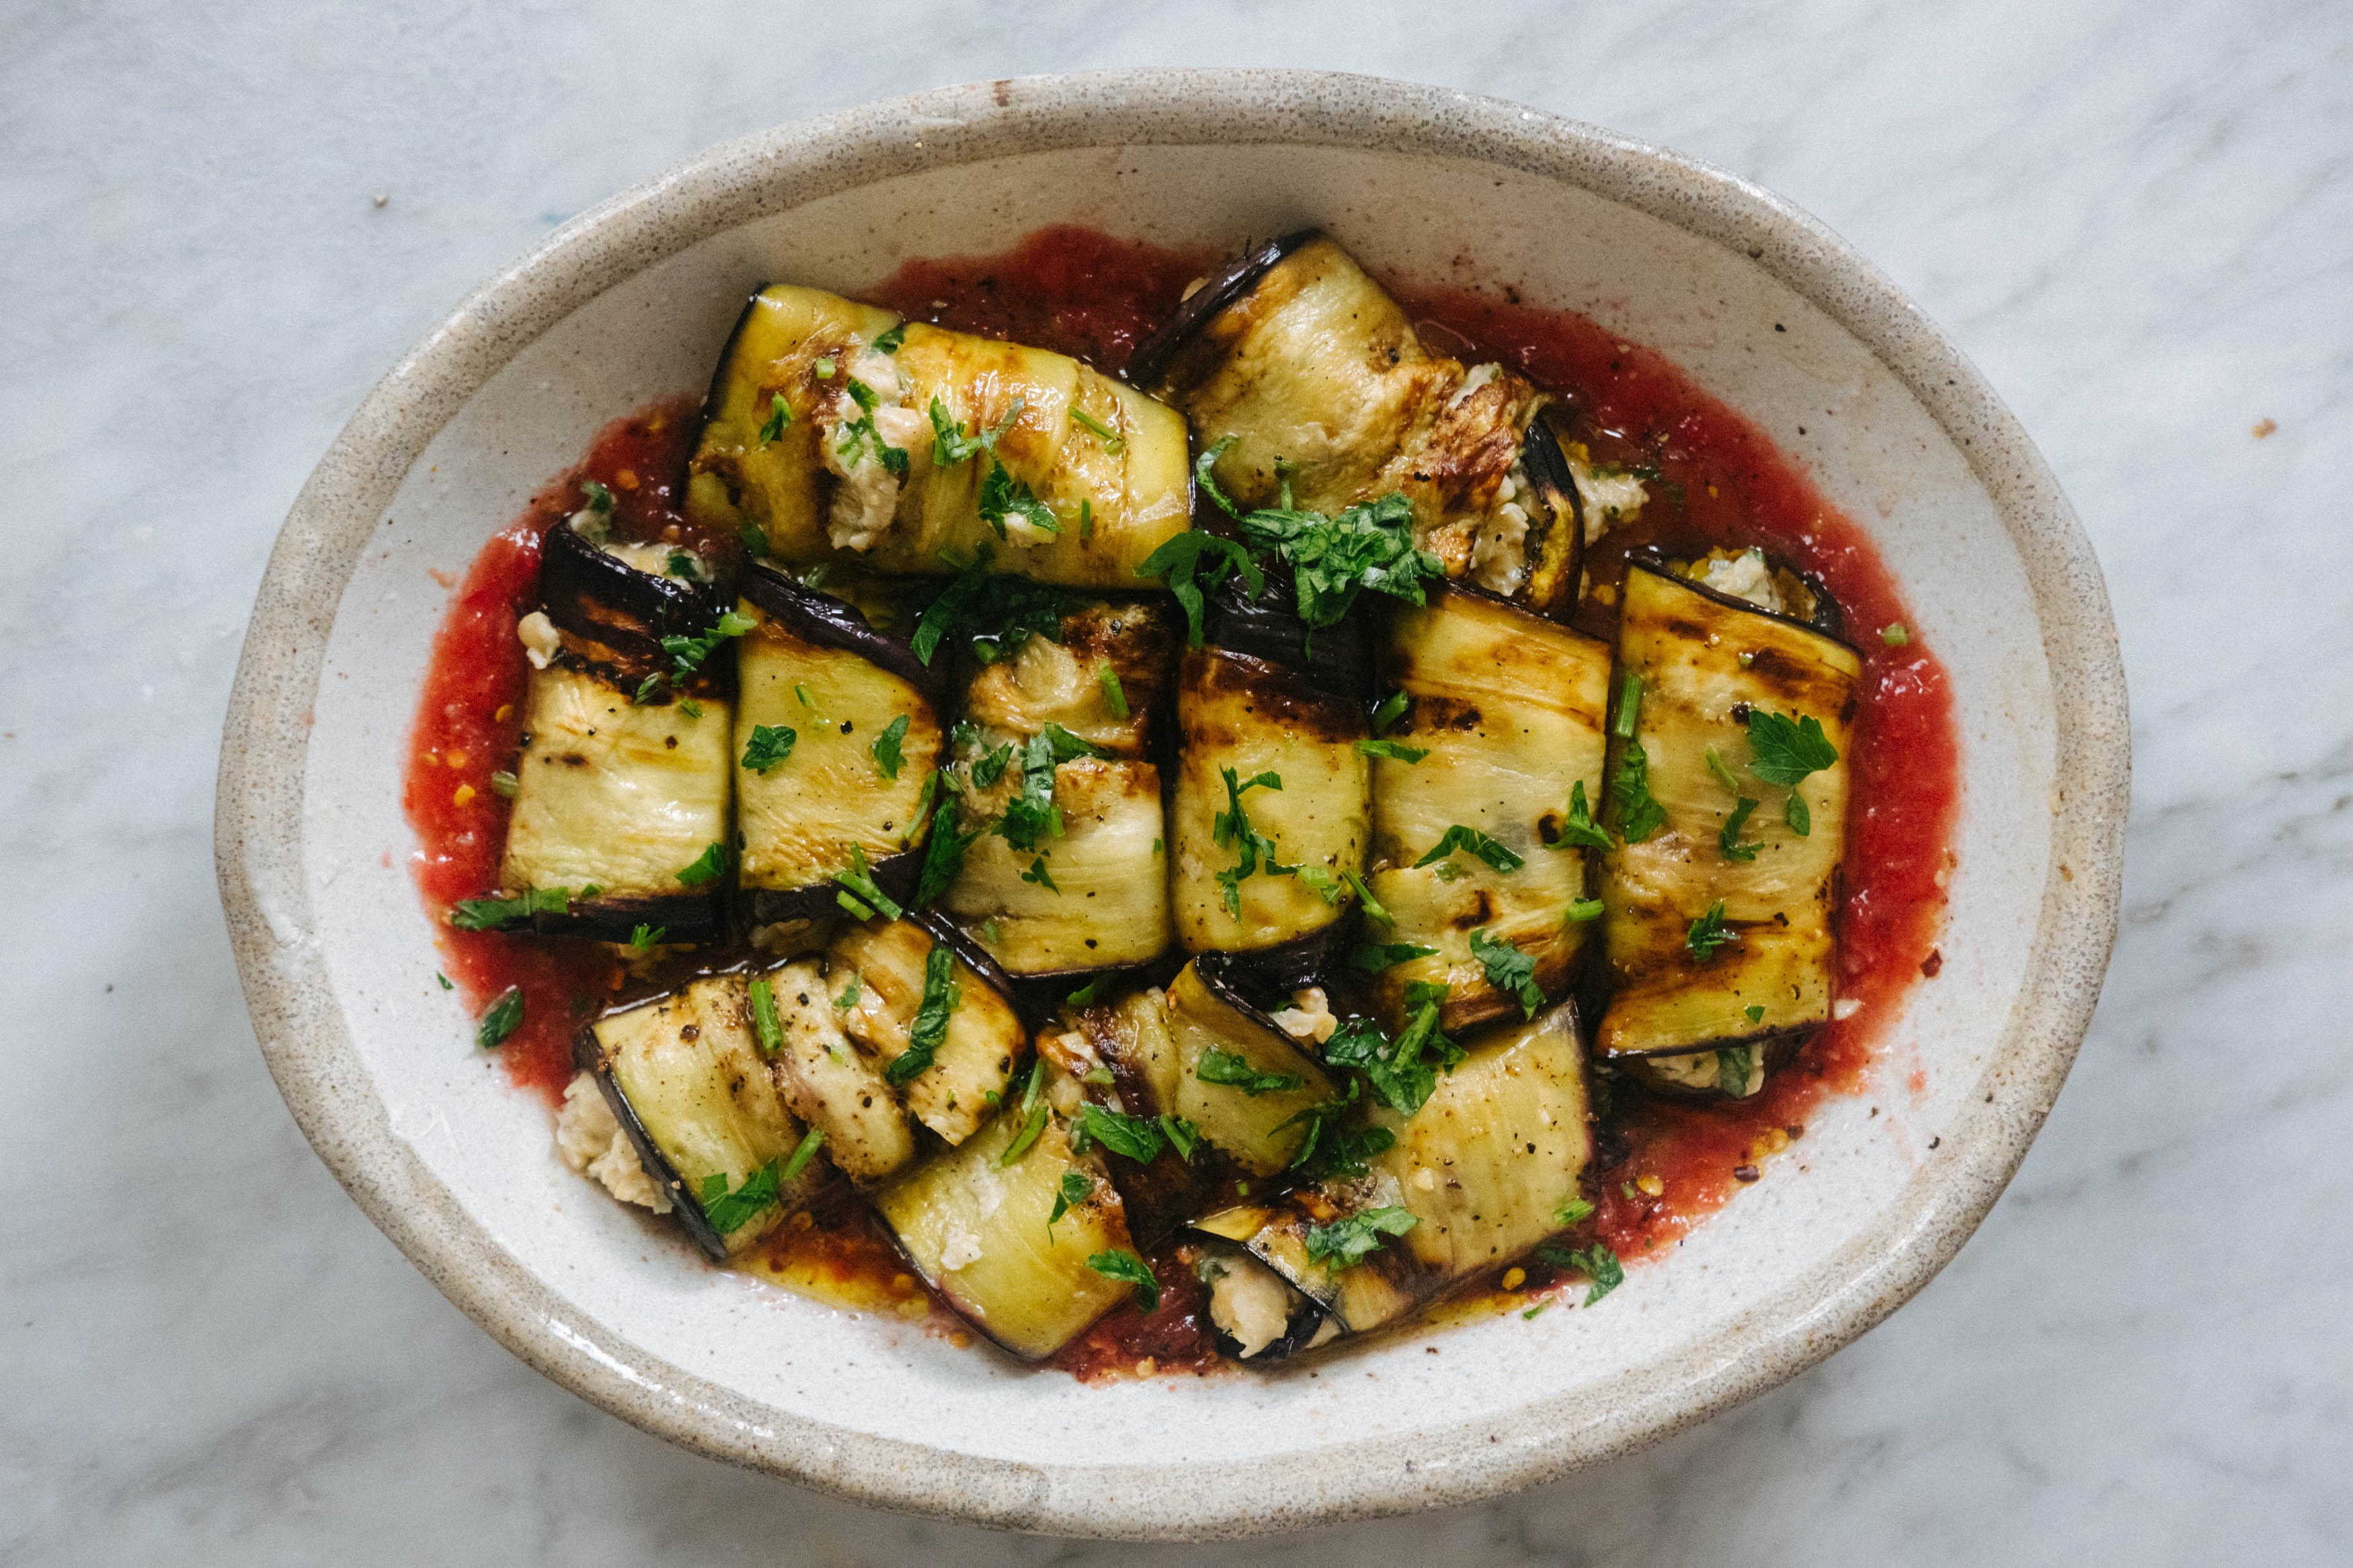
<point x="1039" y="877"/>
<point x="1795" y="813"/>
<point x="1509" y="970"/>
<point x="1033" y="1116"/>
<point x="951" y="444"/>
<point x="500" y="1019"/>
<point x="850" y="994"/>
<point x="600" y="500"/>
<point x="499" y="914"/>
<point x="824" y="368"/>
<point x="770" y="744"/>
<point x="888" y="344"/>
<point x="1722" y="775"/>
<point x="1895" y="636"/>
<point x="1372" y="906"/>
<point x="1074" y="1188"/>
<point x="1346" y="1151"/>
<point x="1129" y="1270"/>
<point x="681" y="566"/>
<point x="1031" y="816"/>
<point x="1358" y="1236"/>
<point x="1733" y="1066"/>
<point x="1182" y="1135"/>
<point x="1085" y="996"/>
<point x="1003" y="497"/>
<point x="994" y="614"/>
<point x="885" y="749"/>
<point x="861" y="434"/>
<point x="687" y="653"/>
<point x="1630" y="707"/>
<point x="1112" y="440"/>
<point x="1581" y="831"/>
<point x="1114" y="694"/>
<point x="708" y="867"/>
<point x="1786" y="750"/>
<point x="1231" y="829"/>
<point x="1584" y="909"/>
<point x="1727" y="838"/>
<point x="1137" y="1137"/>
<point x="1379" y="958"/>
<point x="941" y="995"/>
<point x="1178" y="563"/>
<point x="731" y="1212"/>
<point x="1331" y="559"/>
<point x="803" y="1152"/>
<point x="1227" y="1070"/>
<point x="1640" y="815"/>
<point x="765" y="1022"/>
<point x="689" y="707"/>
<point x="943" y="854"/>
<point x="1399" y="1076"/>
<point x="1471" y="841"/>
<point x="869" y="896"/>
<point x="754" y="538"/>
<point x="780" y="419"/>
<point x="1396" y="750"/>
<point x="1755" y="1014"/>
<point x="1709" y="932"/>
<point x="444" y="979"/>
<point x="504" y="783"/>
<point x="1596" y="1263"/>
<point x="646" y="937"/>
<point x="1571" y="1212"/>
<point x="1392" y="710"/>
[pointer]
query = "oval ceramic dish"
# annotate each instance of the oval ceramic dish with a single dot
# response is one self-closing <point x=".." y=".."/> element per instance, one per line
<point x="633" y="299"/>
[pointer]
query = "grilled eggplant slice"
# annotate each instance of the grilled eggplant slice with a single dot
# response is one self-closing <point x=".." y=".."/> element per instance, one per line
<point x="1719" y="932"/>
<point x="1103" y="677"/>
<point x="1238" y="1078"/>
<point x="826" y="1080"/>
<point x="628" y="798"/>
<point x="851" y="784"/>
<point x="1319" y="375"/>
<point x="977" y="1230"/>
<point x="685" y="1078"/>
<point x="1507" y="709"/>
<point x="1080" y="475"/>
<point x="972" y="1060"/>
<point x="1482" y="1170"/>
<point x="1260" y="861"/>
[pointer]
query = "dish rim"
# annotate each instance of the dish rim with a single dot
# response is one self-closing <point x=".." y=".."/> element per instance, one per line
<point x="258" y="820"/>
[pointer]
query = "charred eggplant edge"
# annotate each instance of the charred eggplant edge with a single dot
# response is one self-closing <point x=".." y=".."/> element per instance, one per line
<point x="824" y="621"/>
<point x="1220" y="290"/>
<point x="588" y="1056"/>
<point x="1656" y="567"/>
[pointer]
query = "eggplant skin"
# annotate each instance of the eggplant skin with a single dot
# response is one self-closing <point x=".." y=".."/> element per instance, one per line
<point x="1317" y="372"/>
<point x="800" y="819"/>
<point x="1108" y="908"/>
<point x="613" y="794"/>
<point x="977" y="1230"/>
<point x="1244" y="714"/>
<point x="1111" y="508"/>
<point x="1484" y="1167"/>
<point x="1509" y="709"/>
<point x="606" y="603"/>
<point x="686" y="1080"/>
<point x="1687" y="644"/>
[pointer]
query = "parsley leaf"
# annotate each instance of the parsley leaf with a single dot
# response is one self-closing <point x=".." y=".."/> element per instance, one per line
<point x="996" y="614"/>
<point x="1894" y="634"/>
<point x="1230" y="1071"/>
<point x="860" y="881"/>
<point x="1114" y="694"/>
<point x="1723" y="774"/>
<point x="1358" y="1236"/>
<point x="1137" y="1137"/>
<point x="445" y="981"/>
<point x="1399" y="1075"/>
<point x="1373" y="908"/>
<point x="1178" y="562"/>
<point x="803" y="1152"/>
<point x="1348" y="1151"/>
<point x="1205" y="476"/>
<point x="1182" y="1135"/>
<point x="1709" y="932"/>
<point x="1571" y="1212"/>
<point x="1233" y="828"/>
<point x="1640" y="815"/>
<point x="764" y="1023"/>
<point x="1733" y="1066"/>
<point x="501" y="1018"/>
<point x="681" y="566"/>
<point x="885" y="749"/>
<point x="1581" y="831"/>
<point x="770" y="744"/>
<point x="1032" y="817"/>
<point x="860" y="434"/>
<point x="645" y="938"/>
<point x="1334" y="559"/>
<point x="687" y="653"/>
<point x="1379" y="958"/>
<point x="1509" y="970"/>
<point x="731" y="1212"/>
<point x="1794" y="813"/>
<point x="943" y="855"/>
<point x="1630" y="707"/>
<point x="1597" y="1263"/>
<point x="1584" y="909"/>
<point x="499" y="914"/>
<point x="1074" y="1188"/>
<point x="1727" y="838"/>
<point x="888" y="344"/>
<point x="1129" y="1270"/>
<point x="1003" y="497"/>
<point x="850" y="994"/>
<point x="951" y="444"/>
<point x="1112" y="440"/>
<point x="708" y="867"/>
<point x="754" y="538"/>
<point x="1472" y="842"/>
<point x="1033" y="1116"/>
<point x="941" y="995"/>
<point x="1755" y="1014"/>
<point x="1039" y="877"/>
<point x="1392" y="710"/>
<point x="1397" y="751"/>
<point x="1787" y="749"/>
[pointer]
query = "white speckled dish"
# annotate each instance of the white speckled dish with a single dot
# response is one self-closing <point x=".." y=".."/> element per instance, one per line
<point x="633" y="299"/>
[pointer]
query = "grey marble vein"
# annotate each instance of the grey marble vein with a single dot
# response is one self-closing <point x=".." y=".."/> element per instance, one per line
<point x="2134" y="216"/>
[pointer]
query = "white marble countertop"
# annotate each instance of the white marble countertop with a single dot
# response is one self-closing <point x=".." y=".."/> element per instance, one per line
<point x="2135" y="216"/>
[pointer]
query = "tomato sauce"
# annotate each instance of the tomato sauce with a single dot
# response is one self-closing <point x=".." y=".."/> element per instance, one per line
<point x="1718" y="480"/>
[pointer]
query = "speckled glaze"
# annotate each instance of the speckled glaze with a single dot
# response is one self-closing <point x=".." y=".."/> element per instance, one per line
<point x="632" y="299"/>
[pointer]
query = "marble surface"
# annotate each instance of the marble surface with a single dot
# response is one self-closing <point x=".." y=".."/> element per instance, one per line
<point x="2132" y="215"/>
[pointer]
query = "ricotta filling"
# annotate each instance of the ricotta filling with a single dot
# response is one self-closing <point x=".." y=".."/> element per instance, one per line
<point x="590" y="1139"/>
<point x="1498" y="551"/>
<point x="1309" y="1016"/>
<point x="868" y="496"/>
<point x="1607" y="495"/>
<point x="540" y="638"/>
<point x="1744" y="576"/>
<point x="1249" y="1301"/>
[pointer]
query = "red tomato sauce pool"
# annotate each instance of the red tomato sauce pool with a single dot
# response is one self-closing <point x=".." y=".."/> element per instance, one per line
<point x="1718" y="480"/>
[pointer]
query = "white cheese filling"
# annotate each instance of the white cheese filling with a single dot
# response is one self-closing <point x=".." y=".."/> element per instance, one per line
<point x="1744" y="576"/>
<point x="868" y="496"/>
<point x="1250" y="1301"/>
<point x="1499" y="553"/>
<point x="540" y="638"/>
<point x="591" y="1141"/>
<point x="1608" y="496"/>
<point x="1309" y="1016"/>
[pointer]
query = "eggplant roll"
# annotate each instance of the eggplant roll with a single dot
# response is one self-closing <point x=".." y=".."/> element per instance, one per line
<point x="1103" y="676"/>
<point x="626" y="797"/>
<point x="1735" y="1072"/>
<point x="1318" y="374"/>
<point x="684" y="1076"/>
<point x="1270" y="811"/>
<point x="827" y="1079"/>
<point x="1080" y="476"/>
<point x="837" y="731"/>
<point x="983" y="1234"/>
<point x="1730" y="801"/>
<point x="971" y="1060"/>
<point x="1481" y="1173"/>
<point x="1507" y="709"/>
